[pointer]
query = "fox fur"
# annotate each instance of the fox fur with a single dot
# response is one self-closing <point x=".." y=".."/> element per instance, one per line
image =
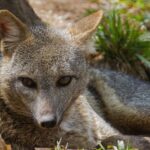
<point x="94" y="106"/>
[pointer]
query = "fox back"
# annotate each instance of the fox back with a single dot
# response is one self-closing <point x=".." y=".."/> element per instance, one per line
<point x="124" y="101"/>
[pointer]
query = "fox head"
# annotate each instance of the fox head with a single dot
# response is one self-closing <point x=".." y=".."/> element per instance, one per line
<point x="43" y="70"/>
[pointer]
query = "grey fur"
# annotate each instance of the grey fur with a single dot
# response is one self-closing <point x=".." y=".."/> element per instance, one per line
<point x="45" y="54"/>
<point x="129" y="111"/>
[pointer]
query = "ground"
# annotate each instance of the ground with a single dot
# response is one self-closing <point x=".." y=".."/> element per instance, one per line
<point x="60" y="13"/>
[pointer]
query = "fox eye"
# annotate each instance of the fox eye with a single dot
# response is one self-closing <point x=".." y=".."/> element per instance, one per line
<point x="27" y="82"/>
<point x="64" y="81"/>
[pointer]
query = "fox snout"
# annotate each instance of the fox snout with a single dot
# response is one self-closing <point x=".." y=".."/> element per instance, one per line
<point x="48" y="121"/>
<point x="44" y="114"/>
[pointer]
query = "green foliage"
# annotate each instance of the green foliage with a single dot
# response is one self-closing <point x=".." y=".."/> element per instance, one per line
<point x="94" y="1"/>
<point x="135" y="9"/>
<point x="144" y="61"/>
<point x="143" y="4"/>
<point x="89" y="11"/>
<point x="120" y="146"/>
<point x="119" y="38"/>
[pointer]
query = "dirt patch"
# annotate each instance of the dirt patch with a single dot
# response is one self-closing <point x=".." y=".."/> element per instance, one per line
<point x="60" y="13"/>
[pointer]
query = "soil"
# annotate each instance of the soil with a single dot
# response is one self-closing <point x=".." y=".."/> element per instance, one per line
<point x="60" y="13"/>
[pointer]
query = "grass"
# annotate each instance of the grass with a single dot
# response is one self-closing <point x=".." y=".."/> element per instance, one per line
<point x="123" y="37"/>
<point x="124" y="44"/>
<point x="120" y="40"/>
<point x="89" y="11"/>
<point x="120" y="146"/>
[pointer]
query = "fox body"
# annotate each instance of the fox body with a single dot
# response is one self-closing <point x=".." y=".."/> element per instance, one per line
<point x="124" y="101"/>
<point x="45" y="90"/>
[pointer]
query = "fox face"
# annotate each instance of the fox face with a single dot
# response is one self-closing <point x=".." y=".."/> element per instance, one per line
<point x="43" y="70"/>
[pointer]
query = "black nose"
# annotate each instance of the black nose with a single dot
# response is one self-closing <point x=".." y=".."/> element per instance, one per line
<point x="49" y="123"/>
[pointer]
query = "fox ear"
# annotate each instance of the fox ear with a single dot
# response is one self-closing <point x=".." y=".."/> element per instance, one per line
<point x="83" y="29"/>
<point x="12" y="31"/>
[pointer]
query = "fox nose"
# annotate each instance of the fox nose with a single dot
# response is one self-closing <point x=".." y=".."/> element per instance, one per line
<point x="49" y="123"/>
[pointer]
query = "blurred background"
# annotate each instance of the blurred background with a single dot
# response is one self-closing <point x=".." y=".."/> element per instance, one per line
<point x="122" y="41"/>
